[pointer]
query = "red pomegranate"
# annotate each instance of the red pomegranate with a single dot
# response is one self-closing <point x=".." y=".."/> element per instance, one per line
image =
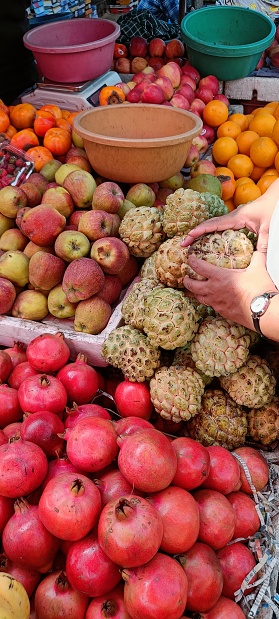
<point x="55" y="598"/>
<point x="201" y="559"/>
<point x="193" y="463"/>
<point x="23" y="467"/>
<point x="42" y="392"/>
<point x="217" y="518"/>
<point x="80" y="380"/>
<point x="109" y="605"/>
<point x="224" y="609"/>
<point x="47" y="353"/>
<point x="224" y="470"/>
<point x="257" y="467"/>
<point x="91" y="444"/>
<point x="247" y="520"/>
<point x="236" y="563"/>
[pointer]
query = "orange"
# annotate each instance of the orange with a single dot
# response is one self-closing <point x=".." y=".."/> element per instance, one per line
<point x="240" y="119"/>
<point x="257" y="110"/>
<point x="223" y="149"/>
<point x="244" y="141"/>
<point x="276" y="162"/>
<point x="215" y="113"/>
<point x="249" y="117"/>
<point x="265" y="181"/>
<point x="228" y="128"/>
<point x="276" y="112"/>
<point x="245" y="193"/>
<point x="240" y="165"/>
<point x="263" y="152"/>
<point x="272" y="105"/>
<point x="270" y="171"/>
<point x="242" y="180"/>
<point x="263" y="124"/>
<point x="275" y="132"/>
<point x="257" y="173"/>
<point x="4" y="121"/>
<point x="230" y="204"/>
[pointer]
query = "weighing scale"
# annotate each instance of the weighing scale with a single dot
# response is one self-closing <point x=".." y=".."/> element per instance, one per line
<point x="72" y="97"/>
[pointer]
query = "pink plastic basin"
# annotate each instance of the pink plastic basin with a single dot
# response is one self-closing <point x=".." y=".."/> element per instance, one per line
<point x="73" y="50"/>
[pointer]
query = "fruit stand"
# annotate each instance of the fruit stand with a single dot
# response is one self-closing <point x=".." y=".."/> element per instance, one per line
<point x="139" y="428"/>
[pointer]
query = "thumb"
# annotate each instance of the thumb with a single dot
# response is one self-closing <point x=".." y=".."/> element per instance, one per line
<point x="258" y="260"/>
<point x="262" y="240"/>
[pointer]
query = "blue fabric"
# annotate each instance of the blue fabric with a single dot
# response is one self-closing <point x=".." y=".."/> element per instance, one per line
<point x="162" y="9"/>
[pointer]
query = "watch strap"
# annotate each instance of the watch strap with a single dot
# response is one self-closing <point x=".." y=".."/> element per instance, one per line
<point x="256" y="319"/>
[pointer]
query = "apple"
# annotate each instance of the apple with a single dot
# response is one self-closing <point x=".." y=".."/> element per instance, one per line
<point x="129" y="271"/>
<point x="167" y="104"/>
<point x="75" y="151"/>
<point x="32" y="192"/>
<point x="83" y="278"/>
<point x="211" y="82"/>
<point x="124" y="87"/>
<point x="108" y="196"/>
<point x="156" y="47"/>
<point x="187" y="92"/>
<point x="111" y="289"/>
<point x="174" y="49"/>
<point x="49" y="169"/>
<point x="203" y="166"/>
<point x="152" y="94"/>
<point x="123" y="65"/>
<point x="7" y="295"/>
<point x="96" y="224"/>
<point x="221" y="97"/>
<point x="116" y="221"/>
<point x="111" y="254"/>
<point x="14" y="265"/>
<point x="92" y="315"/>
<point x="63" y="171"/>
<point x="6" y="223"/>
<point x="31" y="248"/>
<point x="138" y="46"/>
<point x="138" y="64"/>
<point x="156" y="63"/>
<point x="75" y="217"/>
<point x="134" y="96"/>
<point x="58" y="304"/>
<point x="45" y="270"/>
<point x="172" y="71"/>
<point x="174" y="182"/>
<point x="131" y="86"/>
<point x="178" y="61"/>
<point x="42" y="224"/>
<point x="77" y="140"/>
<point x="166" y="87"/>
<point x="149" y="71"/>
<point x="204" y="93"/>
<point x="60" y="199"/>
<point x="179" y="101"/>
<point x="188" y="69"/>
<point x="30" y="305"/>
<point x="163" y="193"/>
<point x="11" y="200"/>
<point x="138" y="77"/>
<point x="81" y="186"/>
<point x="81" y="162"/>
<point x="13" y="239"/>
<point x="186" y="79"/>
<point x="192" y="157"/>
<point x="71" y="244"/>
<point x="208" y="133"/>
<point x="197" y="106"/>
<point x="201" y="143"/>
<point x="127" y="205"/>
<point x="141" y="194"/>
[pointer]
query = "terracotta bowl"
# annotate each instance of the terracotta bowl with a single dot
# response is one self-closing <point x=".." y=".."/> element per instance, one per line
<point x="137" y="142"/>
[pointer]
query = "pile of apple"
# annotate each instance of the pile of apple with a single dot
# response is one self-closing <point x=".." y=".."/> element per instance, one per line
<point x="139" y="54"/>
<point x="272" y="53"/>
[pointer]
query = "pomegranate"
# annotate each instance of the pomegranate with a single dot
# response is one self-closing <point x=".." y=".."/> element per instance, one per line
<point x="3" y="438"/>
<point x="6" y="511"/>
<point x="109" y="605"/>
<point x="70" y="506"/>
<point x="147" y="460"/>
<point x="247" y="520"/>
<point x="180" y="516"/>
<point x="6" y="366"/>
<point x="42" y="429"/>
<point x="28" y="578"/>
<point x="47" y="353"/>
<point x="17" y="353"/>
<point x="257" y="466"/>
<point x="55" y="599"/>
<point x="193" y="462"/>
<point x="19" y="373"/>
<point x="42" y="392"/>
<point x="129" y="425"/>
<point x="113" y="485"/>
<point x="80" y="380"/>
<point x="217" y="518"/>
<point x="201" y="559"/>
<point x="12" y="429"/>
<point x="236" y="563"/>
<point x="167" y="426"/>
<point x="224" y="609"/>
<point x="57" y="467"/>
<point x="89" y="569"/>
<point x="156" y="590"/>
<point x="76" y="413"/>
<point x="224" y="470"/>
<point x="130" y="531"/>
<point x="26" y="541"/>
<point x="23" y="467"/>
<point x="10" y="409"/>
<point x="91" y="444"/>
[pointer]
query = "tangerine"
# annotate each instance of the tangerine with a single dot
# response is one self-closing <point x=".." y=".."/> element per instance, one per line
<point x="275" y="132"/>
<point x="229" y="128"/>
<point x="265" y="181"/>
<point x="263" y="124"/>
<point x="263" y="152"/>
<point x="223" y="149"/>
<point x="244" y="141"/>
<point x="230" y="204"/>
<point x="240" y="119"/>
<point x="246" y="193"/>
<point x="270" y="171"/>
<point x="240" y="165"/>
<point x="242" y="180"/>
<point x="215" y="113"/>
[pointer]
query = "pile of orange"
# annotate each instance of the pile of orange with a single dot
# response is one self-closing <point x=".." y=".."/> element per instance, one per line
<point x="246" y="150"/>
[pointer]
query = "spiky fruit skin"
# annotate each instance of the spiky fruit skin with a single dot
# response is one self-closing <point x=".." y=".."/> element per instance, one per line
<point x="220" y="421"/>
<point x="183" y="358"/>
<point x="216" y="206"/>
<point x="142" y="230"/>
<point x="133" y="305"/>
<point x="220" y="346"/>
<point x="148" y="270"/>
<point x="176" y="392"/>
<point x="171" y="262"/>
<point x="263" y="423"/>
<point x="170" y="319"/>
<point x="229" y="249"/>
<point x="130" y="350"/>
<point x="184" y="210"/>
<point x="252" y="385"/>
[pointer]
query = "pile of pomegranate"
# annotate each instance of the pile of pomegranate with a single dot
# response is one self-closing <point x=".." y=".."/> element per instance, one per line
<point x="107" y="516"/>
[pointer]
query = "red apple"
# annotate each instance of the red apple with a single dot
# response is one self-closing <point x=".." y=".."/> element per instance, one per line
<point x="154" y="187"/>
<point x="138" y="46"/>
<point x="166" y="86"/>
<point x="174" y="49"/>
<point x="111" y="254"/>
<point x="186" y="79"/>
<point x="187" y="92"/>
<point x="124" y="87"/>
<point x="172" y="71"/>
<point x="111" y="289"/>
<point x="167" y="103"/>
<point x="204" y="94"/>
<point x="188" y="69"/>
<point x="156" y="63"/>
<point x="129" y="271"/>
<point x="178" y="61"/>
<point x="197" y="106"/>
<point x="201" y="143"/>
<point x="75" y="151"/>
<point x="134" y="96"/>
<point x="123" y="65"/>
<point x="108" y="196"/>
<point x="75" y="217"/>
<point x="156" y="47"/>
<point x="179" y="101"/>
<point x="211" y="82"/>
<point x="7" y="295"/>
<point x="163" y="193"/>
<point x="138" y="64"/>
<point x="192" y="157"/>
<point x="60" y="199"/>
<point x="261" y="62"/>
<point x="203" y="166"/>
<point x="152" y="94"/>
<point x="223" y="98"/>
<point x="149" y="70"/>
<point x="208" y="133"/>
<point x="81" y="162"/>
<point x="96" y="224"/>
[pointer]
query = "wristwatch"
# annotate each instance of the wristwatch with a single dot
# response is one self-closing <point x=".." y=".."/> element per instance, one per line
<point x="258" y="307"/>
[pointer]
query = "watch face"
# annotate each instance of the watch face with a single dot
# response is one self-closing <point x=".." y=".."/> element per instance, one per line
<point x="259" y="304"/>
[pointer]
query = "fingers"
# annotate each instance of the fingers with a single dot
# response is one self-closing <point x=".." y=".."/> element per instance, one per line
<point x="231" y="220"/>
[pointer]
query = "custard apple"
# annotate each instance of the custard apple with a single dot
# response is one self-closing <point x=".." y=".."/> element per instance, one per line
<point x="263" y="423"/>
<point x="230" y="249"/>
<point x="130" y="350"/>
<point x="183" y="358"/>
<point x="216" y="206"/>
<point x="142" y="230"/>
<point x="170" y="262"/>
<point x="252" y="385"/>
<point x="184" y="210"/>
<point x="176" y="392"/>
<point x="133" y="305"/>
<point x="148" y="268"/>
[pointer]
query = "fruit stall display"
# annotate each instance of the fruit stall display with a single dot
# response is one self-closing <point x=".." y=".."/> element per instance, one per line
<point x="143" y="485"/>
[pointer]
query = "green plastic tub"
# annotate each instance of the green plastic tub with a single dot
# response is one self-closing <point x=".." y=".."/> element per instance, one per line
<point x="226" y="41"/>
